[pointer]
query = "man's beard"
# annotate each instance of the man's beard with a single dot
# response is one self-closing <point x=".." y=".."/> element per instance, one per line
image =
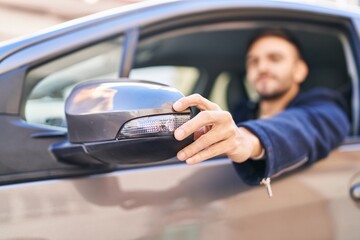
<point x="273" y="96"/>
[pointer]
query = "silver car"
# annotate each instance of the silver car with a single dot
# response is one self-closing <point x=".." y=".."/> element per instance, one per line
<point x="71" y="173"/>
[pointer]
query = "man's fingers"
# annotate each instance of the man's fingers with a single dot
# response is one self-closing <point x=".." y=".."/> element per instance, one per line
<point x="204" y="118"/>
<point x="212" y="151"/>
<point x="195" y="100"/>
<point x="198" y="133"/>
<point x="205" y="141"/>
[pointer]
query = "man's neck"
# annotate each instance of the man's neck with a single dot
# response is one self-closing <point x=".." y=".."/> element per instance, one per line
<point x="271" y="107"/>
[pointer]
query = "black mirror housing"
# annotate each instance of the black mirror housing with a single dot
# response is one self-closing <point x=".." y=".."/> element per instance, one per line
<point x="123" y="122"/>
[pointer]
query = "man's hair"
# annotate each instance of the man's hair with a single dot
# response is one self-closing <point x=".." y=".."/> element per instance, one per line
<point x="276" y="32"/>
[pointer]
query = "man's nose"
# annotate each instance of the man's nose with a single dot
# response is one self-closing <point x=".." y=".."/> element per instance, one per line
<point x="263" y="66"/>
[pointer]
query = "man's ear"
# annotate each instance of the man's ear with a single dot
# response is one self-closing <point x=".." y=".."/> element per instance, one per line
<point x="301" y="71"/>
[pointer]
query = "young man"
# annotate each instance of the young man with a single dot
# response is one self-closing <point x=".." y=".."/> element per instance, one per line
<point x="292" y="129"/>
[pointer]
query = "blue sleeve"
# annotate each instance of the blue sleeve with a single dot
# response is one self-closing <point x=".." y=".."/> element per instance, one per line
<point x="300" y="135"/>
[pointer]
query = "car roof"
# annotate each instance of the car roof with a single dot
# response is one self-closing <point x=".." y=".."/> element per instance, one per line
<point x="144" y="12"/>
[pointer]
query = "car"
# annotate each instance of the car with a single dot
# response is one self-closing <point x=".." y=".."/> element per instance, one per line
<point x="62" y="179"/>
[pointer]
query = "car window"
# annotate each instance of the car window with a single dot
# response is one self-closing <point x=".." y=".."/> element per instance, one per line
<point x="219" y="90"/>
<point x="219" y="50"/>
<point x="52" y="82"/>
<point x="180" y="77"/>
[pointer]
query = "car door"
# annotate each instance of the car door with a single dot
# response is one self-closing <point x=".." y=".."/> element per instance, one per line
<point x="42" y="198"/>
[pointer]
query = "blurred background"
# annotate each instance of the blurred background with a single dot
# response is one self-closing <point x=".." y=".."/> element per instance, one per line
<point x="21" y="17"/>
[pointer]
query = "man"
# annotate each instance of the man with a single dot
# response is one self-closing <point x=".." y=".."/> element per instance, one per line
<point x="293" y="128"/>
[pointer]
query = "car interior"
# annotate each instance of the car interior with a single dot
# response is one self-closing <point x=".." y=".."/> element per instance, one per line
<point x="218" y="52"/>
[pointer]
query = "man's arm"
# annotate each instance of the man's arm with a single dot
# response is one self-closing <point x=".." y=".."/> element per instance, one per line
<point x="302" y="134"/>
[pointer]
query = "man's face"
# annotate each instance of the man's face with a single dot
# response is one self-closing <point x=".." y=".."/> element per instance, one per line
<point x="272" y="66"/>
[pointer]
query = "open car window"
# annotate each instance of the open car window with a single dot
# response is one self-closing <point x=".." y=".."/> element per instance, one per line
<point x="52" y="82"/>
<point x="219" y="51"/>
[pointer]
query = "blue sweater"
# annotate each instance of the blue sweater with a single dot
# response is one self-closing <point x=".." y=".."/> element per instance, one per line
<point x="313" y="124"/>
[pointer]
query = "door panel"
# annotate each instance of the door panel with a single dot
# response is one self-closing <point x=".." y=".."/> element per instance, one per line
<point x="207" y="201"/>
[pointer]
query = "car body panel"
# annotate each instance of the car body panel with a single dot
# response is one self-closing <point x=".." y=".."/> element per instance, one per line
<point x="202" y="202"/>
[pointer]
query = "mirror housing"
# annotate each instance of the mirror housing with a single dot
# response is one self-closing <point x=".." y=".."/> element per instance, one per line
<point x="121" y="122"/>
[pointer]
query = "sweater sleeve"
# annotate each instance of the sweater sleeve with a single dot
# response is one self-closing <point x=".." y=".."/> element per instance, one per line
<point x="302" y="134"/>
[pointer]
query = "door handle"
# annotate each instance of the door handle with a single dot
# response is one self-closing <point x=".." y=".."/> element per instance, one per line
<point x="355" y="192"/>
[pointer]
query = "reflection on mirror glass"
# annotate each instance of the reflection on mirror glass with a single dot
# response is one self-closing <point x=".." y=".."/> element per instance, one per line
<point x="52" y="82"/>
<point x="181" y="78"/>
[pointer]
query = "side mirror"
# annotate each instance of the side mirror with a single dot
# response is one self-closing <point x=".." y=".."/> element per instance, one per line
<point x="123" y="122"/>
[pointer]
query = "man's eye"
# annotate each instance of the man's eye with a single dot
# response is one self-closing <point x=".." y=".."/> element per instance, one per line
<point x="275" y="58"/>
<point x="251" y="62"/>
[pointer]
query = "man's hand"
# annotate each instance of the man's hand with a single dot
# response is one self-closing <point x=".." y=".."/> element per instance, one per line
<point x="215" y="133"/>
